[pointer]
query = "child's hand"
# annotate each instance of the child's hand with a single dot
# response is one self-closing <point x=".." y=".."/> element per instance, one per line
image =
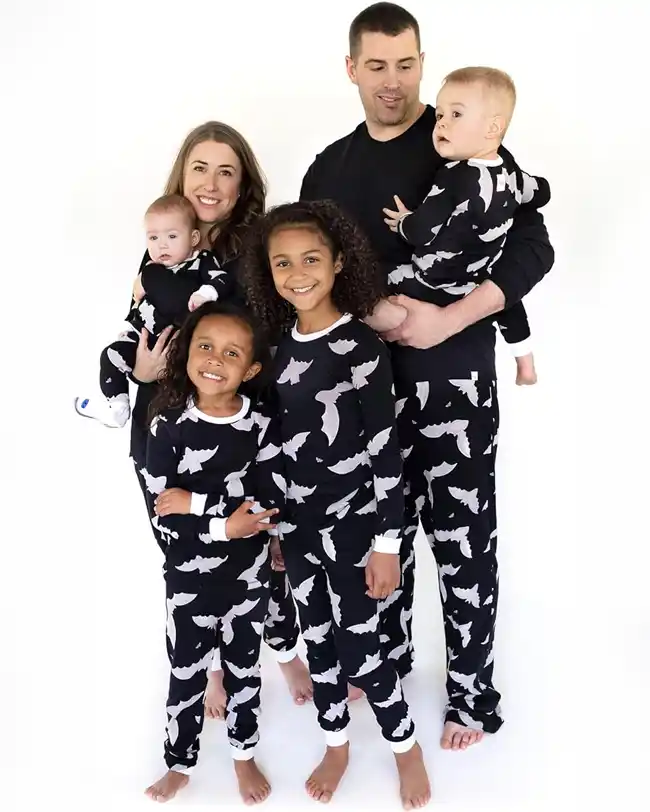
<point x="277" y="560"/>
<point x="393" y="217"/>
<point x="382" y="575"/>
<point x="242" y="523"/>
<point x="386" y="316"/>
<point x="138" y="290"/>
<point x="173" y="500"/>
<point x="196" y="300"/>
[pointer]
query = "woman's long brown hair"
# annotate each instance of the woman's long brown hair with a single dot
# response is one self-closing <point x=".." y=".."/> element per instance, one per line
<point x="226" y="237"/>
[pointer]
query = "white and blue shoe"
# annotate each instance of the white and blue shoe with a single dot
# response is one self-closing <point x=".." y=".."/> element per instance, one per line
<point x="112" y="413"/>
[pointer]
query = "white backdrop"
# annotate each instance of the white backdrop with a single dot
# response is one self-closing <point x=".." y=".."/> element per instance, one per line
<point x="96" y="99"/>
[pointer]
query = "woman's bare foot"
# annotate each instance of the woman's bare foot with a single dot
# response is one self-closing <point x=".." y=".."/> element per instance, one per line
<point x="215" y="696"/>
<point x="526" y="374"/>
<point x="354" y="693"/>
<point x="458" y="737"/>
<point x="298" y="679"/>
<point x="253" y="786"/>
<point x="167" y="787"/>
<point x="323" y="782"/>
<point x="414" y="786"/>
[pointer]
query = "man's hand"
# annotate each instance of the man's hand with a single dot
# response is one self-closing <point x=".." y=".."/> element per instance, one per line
<point x="386" y="316"/>
<point x="393" y="217"/>
<point x="241" y="524"/>
<point x="382" y="575"/>
<point x="426" y="324"/>
<point x="173" y="501"/>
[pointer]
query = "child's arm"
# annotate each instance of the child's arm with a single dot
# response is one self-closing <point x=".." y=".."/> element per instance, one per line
<point x="216" y="283"/>
<point x="536" y="191"/>
<point x="372" y="379"/>
<point x="179" y="512"/>
<point x="452" y="188"/>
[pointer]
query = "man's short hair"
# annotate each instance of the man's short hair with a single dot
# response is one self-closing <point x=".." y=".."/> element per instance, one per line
<point x="381" y="18"/>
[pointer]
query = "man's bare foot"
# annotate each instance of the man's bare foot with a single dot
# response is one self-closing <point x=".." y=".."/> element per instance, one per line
<point x="414" y="786"/>
<point x="323" y="782"/>
<point x="354" y="693"/>
<point x="215" y="697"/>
<point x="298" y="679"/>
<point x="253" y="786"/>
<point x="526" y="374"/>
<point x="167" y="787"/>
<point x="458" y="737"/>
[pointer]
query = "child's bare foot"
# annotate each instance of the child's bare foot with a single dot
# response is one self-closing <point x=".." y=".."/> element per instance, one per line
<point x="167" y="787"/>
<point x="253" y="786"/>
<point x="414" y="786"/>
<point x="215" y="697"/>
<point x="458" y="737"/>
<point x="354" y="693"/>
<point x="526" y="375"/>
<point x="298" y="679"/>
<point x="323" y="782"/>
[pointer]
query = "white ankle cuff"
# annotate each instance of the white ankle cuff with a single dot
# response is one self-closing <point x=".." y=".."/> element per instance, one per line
<point x="285" y="656"/>
<point x="242" y="755"/>
<point x="336" y="738"/>
<point x="403" y="746"/>
<point x="216" y="661"/>
<point x="178" y="768"/>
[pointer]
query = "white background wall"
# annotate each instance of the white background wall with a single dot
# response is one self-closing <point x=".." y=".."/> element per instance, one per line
<point x="95" y="100"/>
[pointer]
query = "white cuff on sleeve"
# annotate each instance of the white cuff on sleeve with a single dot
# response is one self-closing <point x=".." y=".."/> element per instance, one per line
<point x="208" y="292"/>
<point x="197" y="503"/>
<point x="524" y="347"/>
<point x="400" y="224"/>
<point x="384" y="544"/>
<point x="218" y="529"/>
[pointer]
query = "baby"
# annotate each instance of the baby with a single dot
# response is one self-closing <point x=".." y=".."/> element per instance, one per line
<point x="459" y="231"/>
<point x="177" y="279"/>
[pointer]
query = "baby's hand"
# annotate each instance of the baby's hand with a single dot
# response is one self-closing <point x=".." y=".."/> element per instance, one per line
<point x="173" y="501"/>
<point x="196" y="300"/>
<point x="138" y="290"/>
<point x="393" y="217"/>
<point x="386" y="316"/>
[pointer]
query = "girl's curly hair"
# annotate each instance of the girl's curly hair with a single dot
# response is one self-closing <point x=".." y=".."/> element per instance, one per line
<point x="357" y="288"/>
<point x="175" y="387"/>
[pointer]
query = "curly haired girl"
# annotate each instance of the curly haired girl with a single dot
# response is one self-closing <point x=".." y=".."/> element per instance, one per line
<point x="309" y="275"/>
<point x="208" y="443"/>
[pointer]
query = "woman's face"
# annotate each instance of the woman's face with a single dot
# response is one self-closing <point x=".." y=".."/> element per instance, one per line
<point x="211" y="180"/>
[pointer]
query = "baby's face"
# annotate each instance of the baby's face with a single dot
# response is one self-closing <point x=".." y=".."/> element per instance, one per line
<point x="463" y="118"/>
<point x="169" y="238"/>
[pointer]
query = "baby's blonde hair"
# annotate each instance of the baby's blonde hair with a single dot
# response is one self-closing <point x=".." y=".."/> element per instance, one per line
<point x="497" y="83"/>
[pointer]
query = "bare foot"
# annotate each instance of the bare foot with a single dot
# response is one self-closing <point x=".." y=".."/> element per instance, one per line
<point x="414" y="786"/>
<point x="458" y="737"/>
<point x="253" y="786"/>
<point x="526" y="374"/>
<point x="298" y="679"/>
<point x="167" y="787"/>
<point x="215" y="696"/>
<point x="354" y="693"/>
<point x="323" y="782"/>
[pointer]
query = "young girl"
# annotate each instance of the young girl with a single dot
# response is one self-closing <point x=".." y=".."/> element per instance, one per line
<point x="309" y="274"/>
<point x="206" y="438"/>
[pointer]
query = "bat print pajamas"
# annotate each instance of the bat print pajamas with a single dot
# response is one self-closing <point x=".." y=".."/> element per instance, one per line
<point x="167" y="293"/>
<point x="344" y="498"/>
<point x="215" y="588"/>
<point x="459" y="231"/>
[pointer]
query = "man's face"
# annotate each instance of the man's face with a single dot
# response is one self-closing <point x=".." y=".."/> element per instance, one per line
<point x="388" y="71"/>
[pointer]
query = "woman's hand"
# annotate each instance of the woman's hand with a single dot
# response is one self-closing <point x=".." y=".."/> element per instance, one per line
<point x="150" y="363"/>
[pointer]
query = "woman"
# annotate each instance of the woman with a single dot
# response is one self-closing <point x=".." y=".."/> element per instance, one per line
<point x="216" y="170"/>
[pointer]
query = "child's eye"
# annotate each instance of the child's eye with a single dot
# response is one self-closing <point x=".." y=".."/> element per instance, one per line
<point x="204" y="346"/>
<point x="456" y="114"/>
<point x="231" y="353"/>
<point x="153" y="237"/>
<point x="172" y="236"/>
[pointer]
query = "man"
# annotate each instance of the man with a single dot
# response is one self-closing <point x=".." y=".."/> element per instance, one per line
<point x="443" y="362"/>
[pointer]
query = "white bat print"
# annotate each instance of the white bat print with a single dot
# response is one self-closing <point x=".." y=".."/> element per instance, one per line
<point x="317" y="634"/>
<point x="470" y="596"/>
<point x="293" y="371"/>
<point x="291" y="447"/>
<point x="331" y="419"/>
<point x="201" y="564"/>
<point x="330" y="676"/>
<point x="361" y="373"/>
<point x="178" y="599"/>
<point x="340" y="508"/>
<point x="370" y="626"/>
<point x="303" y="590"/>
<point x="460" y="534"/>
<point x="342" y="347"/>
<point x="467" y="498"/>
